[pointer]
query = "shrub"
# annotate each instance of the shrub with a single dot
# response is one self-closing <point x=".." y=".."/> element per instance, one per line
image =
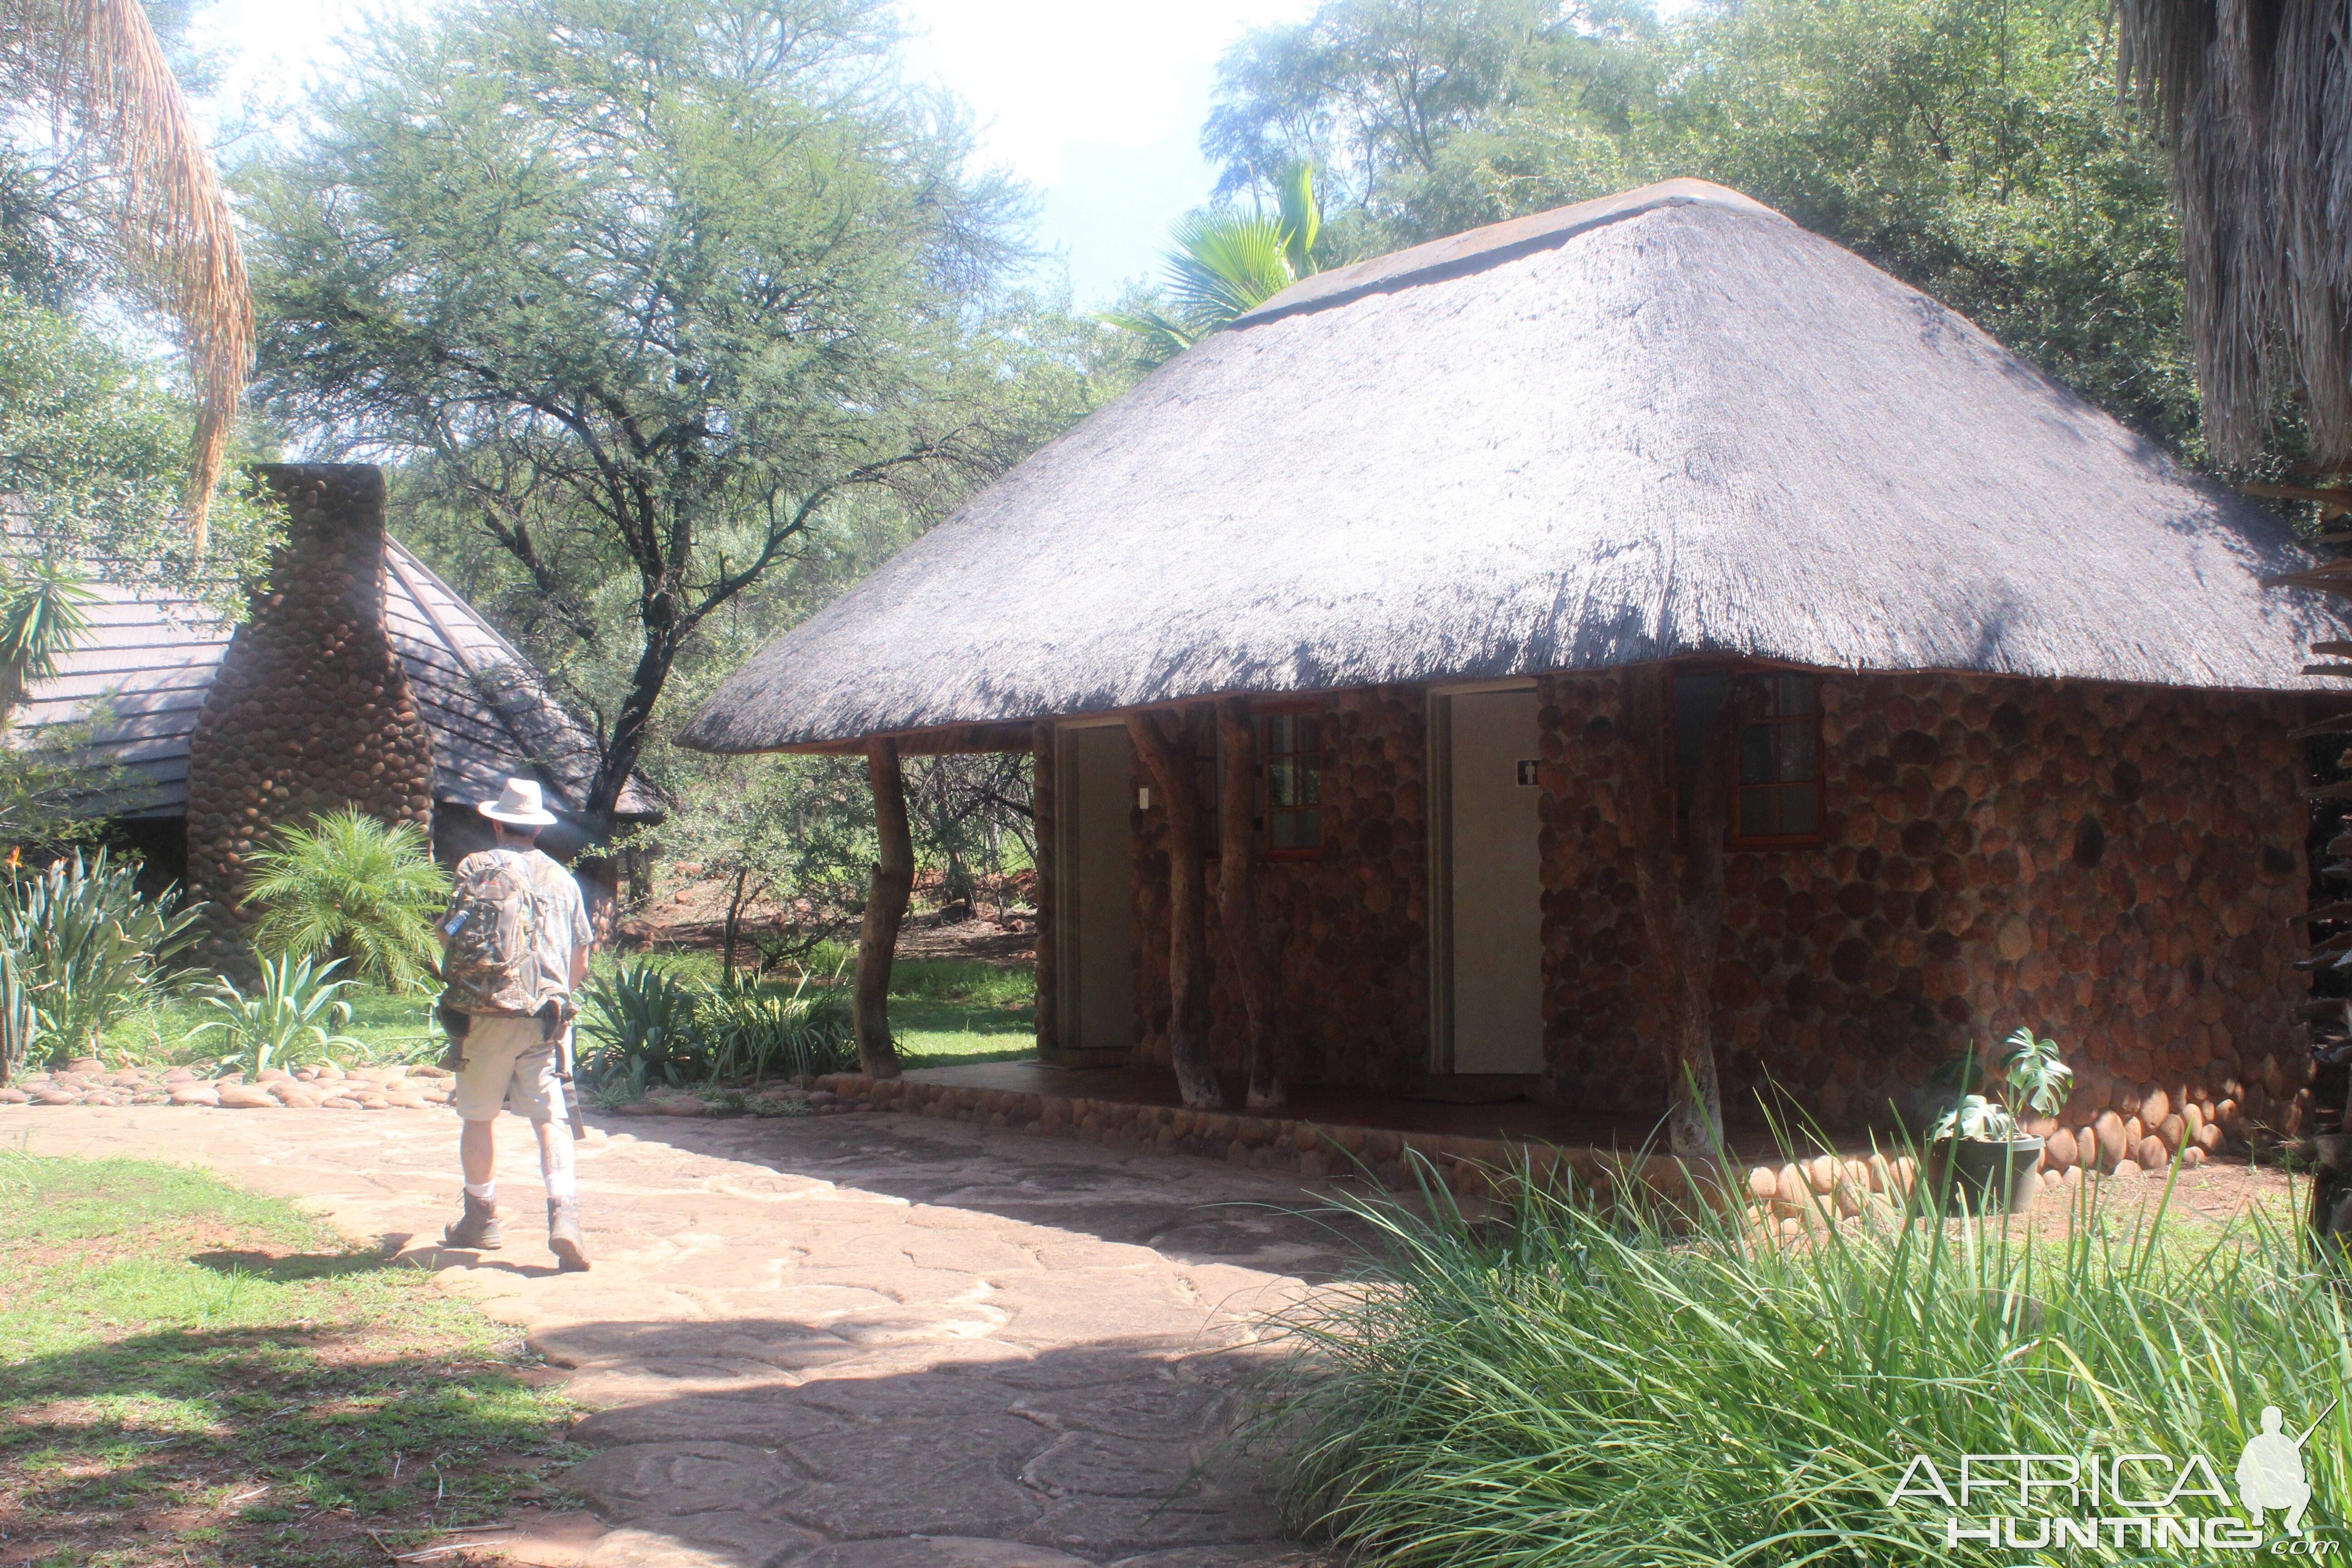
<point x="84" y="947"/>
<point x="293" y="1015"/>
<point x="1590" y="1388"/>
<point x="349" y="886"/>
<point x="758" y="1034"/>
<point x="640" y="1020"/>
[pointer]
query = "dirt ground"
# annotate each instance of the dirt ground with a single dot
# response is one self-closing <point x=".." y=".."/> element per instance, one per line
<point x="1000" y="927"/>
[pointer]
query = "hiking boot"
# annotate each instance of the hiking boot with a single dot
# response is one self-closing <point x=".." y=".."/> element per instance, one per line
<point x="478" y="1231"/>
<point x="563" y="1238"/>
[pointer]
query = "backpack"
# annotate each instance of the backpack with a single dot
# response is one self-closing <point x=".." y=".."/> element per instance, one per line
<point x="488" y="938"/>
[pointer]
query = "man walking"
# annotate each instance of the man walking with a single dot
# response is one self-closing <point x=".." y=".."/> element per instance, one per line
<point x="515" y="946"/>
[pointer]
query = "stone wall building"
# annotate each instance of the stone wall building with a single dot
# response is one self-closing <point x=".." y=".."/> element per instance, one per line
<point x="1517" y="547"/>
<point x="359" y="679"/>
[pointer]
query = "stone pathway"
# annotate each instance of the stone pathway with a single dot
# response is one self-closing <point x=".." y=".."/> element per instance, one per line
<point x="856" y="1341"/>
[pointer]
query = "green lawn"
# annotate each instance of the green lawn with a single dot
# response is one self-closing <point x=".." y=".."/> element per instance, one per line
<point x="195" y="1375"/>
<point x="944" y="1010"/>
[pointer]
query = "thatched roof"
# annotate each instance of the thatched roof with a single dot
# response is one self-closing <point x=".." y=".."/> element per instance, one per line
<point x="1670" y="422"/>
<point x="148" y="663"/>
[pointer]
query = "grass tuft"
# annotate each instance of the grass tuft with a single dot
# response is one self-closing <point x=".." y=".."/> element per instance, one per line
<point x="1616" y="1386"/>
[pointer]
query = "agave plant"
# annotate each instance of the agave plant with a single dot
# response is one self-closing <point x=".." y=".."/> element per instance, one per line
<point x="641" y="1019"/>
<point x="85" y="948"/>
<point x="349" y="886"/>
<point x="293" y="1015"/>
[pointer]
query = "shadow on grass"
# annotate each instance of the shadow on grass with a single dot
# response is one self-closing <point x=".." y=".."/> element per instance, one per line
<point x="284" y="1268"/>
<point x="270" y="1444"/>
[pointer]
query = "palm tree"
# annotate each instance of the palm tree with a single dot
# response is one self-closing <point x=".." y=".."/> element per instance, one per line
<point x="100" y="64"/>
<point x="2251" y="100"/>
<point x="348" y="887"/>
<point x="1223" y="264"/>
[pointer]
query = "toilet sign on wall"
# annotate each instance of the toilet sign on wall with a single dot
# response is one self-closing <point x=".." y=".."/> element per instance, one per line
<point x="1527" y="772"/>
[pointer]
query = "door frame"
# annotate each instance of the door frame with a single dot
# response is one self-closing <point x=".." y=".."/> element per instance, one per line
<point x="1439" y="730"/>
<point x="1068" y="918"/>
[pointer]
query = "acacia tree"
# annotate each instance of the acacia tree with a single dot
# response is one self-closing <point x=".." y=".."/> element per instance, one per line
<point x="646" y="290"/>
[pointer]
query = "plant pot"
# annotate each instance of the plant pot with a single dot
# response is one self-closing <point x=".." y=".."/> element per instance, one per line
<point x="1988" y="1177"/>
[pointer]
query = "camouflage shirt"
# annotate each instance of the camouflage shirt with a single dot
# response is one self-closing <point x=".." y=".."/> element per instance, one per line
<point x="562" y="918"/>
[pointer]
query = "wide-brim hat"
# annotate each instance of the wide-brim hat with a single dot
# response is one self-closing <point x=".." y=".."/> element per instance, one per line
<point x="518" y="805"/>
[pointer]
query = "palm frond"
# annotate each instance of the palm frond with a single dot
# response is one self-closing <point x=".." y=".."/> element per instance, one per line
<point x="1224" y="264"/>
<point x="106" y="67"/>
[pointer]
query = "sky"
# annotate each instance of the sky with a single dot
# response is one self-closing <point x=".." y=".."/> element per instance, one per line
<point x="1097" y="105"/>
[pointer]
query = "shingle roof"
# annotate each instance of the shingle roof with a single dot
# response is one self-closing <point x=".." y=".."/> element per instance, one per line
<point x="1668" y="422"/>
<point x="152" y="661"/>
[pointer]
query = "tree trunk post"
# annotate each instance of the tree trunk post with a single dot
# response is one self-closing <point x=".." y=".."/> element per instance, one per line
<point x="886" y="907"/>
<point x="1682" y="897"/>
<point x="1170" y="765"/>
<point x="1254" y="977"/>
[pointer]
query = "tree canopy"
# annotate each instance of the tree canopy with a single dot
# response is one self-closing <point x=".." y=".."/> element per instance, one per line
<point x="1975" y="148"/>
<point x="658" y="298"/>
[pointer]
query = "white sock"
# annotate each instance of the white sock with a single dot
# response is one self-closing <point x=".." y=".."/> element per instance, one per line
<point x="561" y="1185"/>
<point x="485" y="1193"/>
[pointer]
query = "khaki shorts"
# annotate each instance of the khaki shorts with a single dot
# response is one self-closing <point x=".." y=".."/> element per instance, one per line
<point x="507" y="1063"/>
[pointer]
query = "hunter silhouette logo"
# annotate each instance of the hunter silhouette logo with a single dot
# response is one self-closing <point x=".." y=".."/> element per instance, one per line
<point x="2151" y="1502"/>
<point x="2270" y="1472"/>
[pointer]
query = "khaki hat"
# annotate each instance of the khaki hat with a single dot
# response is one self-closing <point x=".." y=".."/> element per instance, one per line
<point x="518" y="805"/>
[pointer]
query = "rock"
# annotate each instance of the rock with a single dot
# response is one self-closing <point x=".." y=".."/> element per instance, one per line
<point x="2059" y="1152"/>
<point x="326" y="1071"/>
<point x="90" y="1066"/>
<point x="342" y="1102"/>
<point x="825" y="1097"/>
<point x="57" y="1097"/>
<point x="181" y="1075"/>
<point x="2192" y="1156"/>
<point x="677" y="1107"/>
<point x="129" y="1077"/>
<point x="299" y="1098"/>
<point x="2155" y="1108"/>
<point x="430" y="1070"/>
<point x="634" y="1107"/>
<point x="2126" y="1168"/>
<point x="1763" y="1183"/>
<point x="194" y="1094"/>
<point x="273" y="1075"/>
<point x="245" y="1097"/>
<point x="2152" y="1155"/>
<point x="11" y="1095"/>
<point x="2109" y="1130"/>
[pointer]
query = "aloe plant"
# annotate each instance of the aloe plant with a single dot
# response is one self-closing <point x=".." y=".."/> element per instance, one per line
<point x="293" y="1015"/>
<point x="85" y="948"/>
<point x="641" y="1016"/>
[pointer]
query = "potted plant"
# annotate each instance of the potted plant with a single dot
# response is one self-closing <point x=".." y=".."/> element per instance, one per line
<point x="1991" y="1167"/>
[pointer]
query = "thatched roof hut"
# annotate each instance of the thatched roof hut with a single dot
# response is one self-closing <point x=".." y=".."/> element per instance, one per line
<point x="1667" y="422"/>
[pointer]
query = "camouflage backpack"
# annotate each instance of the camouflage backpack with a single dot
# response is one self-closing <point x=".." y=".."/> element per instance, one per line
<point x="487" y="938"/>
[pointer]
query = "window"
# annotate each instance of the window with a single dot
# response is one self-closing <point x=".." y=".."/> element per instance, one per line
<point x="1290" y="750"/>
<point x="1777" y="780"/>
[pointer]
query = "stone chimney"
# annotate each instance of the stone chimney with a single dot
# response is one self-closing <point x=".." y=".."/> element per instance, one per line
<point x="310" y="711"/>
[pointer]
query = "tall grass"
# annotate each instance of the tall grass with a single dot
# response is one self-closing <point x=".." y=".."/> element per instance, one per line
<point x="1602" y="1388"/>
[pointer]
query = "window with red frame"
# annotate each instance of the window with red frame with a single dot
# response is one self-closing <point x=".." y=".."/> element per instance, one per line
<point x="1290" y="754"/>
<point x="1777" y="779"/>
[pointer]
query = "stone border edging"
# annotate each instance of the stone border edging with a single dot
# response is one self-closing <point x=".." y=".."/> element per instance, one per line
<point x="1788" y="1193"/>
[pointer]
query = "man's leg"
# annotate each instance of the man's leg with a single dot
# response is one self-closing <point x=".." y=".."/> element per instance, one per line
<point x="555" y="1130"/>
<point x="480" y="1092"/>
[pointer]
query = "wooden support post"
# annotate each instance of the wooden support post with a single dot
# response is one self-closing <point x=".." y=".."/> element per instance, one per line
<point x="886" y="907"/>
<point x="1254" y="977"/>
<point x="1171" y="764"/>
<point x="1682" y="896"/>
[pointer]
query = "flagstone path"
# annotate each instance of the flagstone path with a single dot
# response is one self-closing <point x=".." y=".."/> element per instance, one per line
<point x="859" y="1341"/>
